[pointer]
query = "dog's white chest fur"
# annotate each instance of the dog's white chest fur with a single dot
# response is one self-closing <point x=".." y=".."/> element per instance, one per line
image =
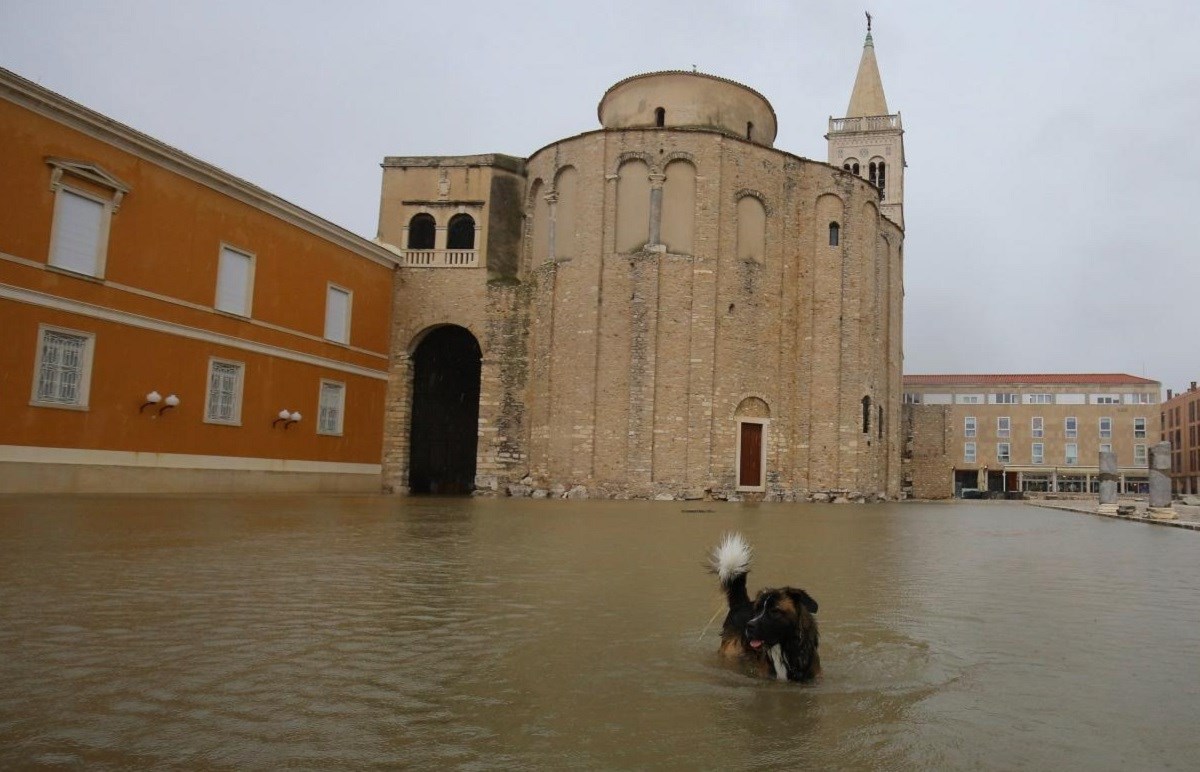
<point x="776" y="655"/>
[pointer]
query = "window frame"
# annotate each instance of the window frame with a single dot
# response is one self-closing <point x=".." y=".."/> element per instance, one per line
<point x="1139" y="434"/>
<point x="1037" y="426"/>
<point x="970" y="453"/>
<point x="331" y="288"/>
<point x="1105" y="434"/>
<point x="970" y="426"/>
<point x="252" y="259"/>
<point x="1004" y="426"/>
<point x="85" y="368"/>
<point x="1068" y="432"/>
<point x="1067" y="454"/>
<point x="67" y="176"/>
<point x="100" y="257"/>
<point x="237" y="397"/>
<point x="1141" y="458"/>
<point x="1037" y="453"/>
<point x="341" y="407"/>
<point x="1004" y="452"/>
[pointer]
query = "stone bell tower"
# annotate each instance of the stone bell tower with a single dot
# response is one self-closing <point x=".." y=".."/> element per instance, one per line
<point x="869" y="141"/>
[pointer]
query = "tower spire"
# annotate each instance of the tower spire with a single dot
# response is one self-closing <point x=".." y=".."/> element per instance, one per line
<point x="869" y="141"/>
<point x="867" y="97"/>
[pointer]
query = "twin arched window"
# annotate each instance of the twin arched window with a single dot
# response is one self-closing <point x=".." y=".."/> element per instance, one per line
<point x="422" y="232"/>
<point x="877" y="174"/>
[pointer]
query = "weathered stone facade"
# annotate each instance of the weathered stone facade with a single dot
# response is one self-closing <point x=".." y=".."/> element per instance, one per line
<point x="670" y="308"/>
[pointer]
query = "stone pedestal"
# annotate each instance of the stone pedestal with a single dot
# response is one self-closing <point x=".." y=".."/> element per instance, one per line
<point x="1108" y="483"/>
<point x="1160" y="482"/>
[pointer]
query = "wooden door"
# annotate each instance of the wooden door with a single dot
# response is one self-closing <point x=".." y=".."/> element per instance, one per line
<point x="750" y="473"/>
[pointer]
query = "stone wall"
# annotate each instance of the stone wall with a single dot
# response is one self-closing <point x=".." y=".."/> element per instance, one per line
<point x="928" y="464"/>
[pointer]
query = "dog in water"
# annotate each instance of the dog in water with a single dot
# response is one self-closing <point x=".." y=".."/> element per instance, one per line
<point x="776" y="633"/>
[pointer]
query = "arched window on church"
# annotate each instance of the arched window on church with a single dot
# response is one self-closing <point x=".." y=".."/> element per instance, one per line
<point x="855" y="168"/>
<point x="460" y="234"/>
<point x="834" y="234"/>
<point x="881" y="179"/>
<point x="421" y="231"/>
<point x="871" y="173"/>
<point x="660" y="117"/>
<point x="633" y="206"/>
<point x="750" y="130"/>
<point x="866" y="405"/>
<point x="679" y="207"/>
<point x="751" y="229"/>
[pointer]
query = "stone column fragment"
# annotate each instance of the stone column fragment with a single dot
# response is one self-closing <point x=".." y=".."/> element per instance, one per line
<point x="1160" y="481"/>
<point x="1108" y="482"/>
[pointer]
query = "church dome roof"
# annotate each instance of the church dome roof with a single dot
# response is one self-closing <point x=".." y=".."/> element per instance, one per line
<point x="677" y="99"/>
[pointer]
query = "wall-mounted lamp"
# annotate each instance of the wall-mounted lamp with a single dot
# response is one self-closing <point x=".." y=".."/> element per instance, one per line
<point x="170" y="402"/>
<point x="153" y="398"/>
<point x="287" y="417"/>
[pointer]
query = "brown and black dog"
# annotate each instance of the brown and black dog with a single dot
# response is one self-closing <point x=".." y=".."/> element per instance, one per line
<point x="776" y="633"/>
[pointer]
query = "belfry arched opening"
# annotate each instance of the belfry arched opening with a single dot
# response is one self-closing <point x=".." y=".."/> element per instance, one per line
<point x="445" y="412"/>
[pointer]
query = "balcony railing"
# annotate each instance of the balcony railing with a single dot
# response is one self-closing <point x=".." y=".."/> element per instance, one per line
<point x="441" y="258"/>
<point x="870" y="123"/>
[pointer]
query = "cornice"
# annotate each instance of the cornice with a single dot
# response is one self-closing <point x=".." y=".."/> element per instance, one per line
<point x="23" y="92"/>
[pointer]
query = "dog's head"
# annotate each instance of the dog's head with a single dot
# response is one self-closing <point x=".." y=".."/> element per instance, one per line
<point x="779" y="615"/>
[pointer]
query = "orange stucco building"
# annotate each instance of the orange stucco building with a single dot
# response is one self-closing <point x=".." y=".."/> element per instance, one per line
<point x="160" y="315"/>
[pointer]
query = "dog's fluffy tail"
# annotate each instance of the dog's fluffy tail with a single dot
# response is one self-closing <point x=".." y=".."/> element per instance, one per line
<point x="730" y="561"/>
<point x="731" y="558"/>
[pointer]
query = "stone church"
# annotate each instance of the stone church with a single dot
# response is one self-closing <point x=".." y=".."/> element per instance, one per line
<point x="666" y="306"/>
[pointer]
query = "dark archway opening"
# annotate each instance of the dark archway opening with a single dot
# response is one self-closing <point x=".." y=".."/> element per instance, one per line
<point x="461" y="232"/>
<point x="445" y="413"/>
<point x="421" y="231"/>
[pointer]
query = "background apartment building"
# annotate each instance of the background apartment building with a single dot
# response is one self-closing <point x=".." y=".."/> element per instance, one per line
<point x="1180" y="419"/>
<point x="170" y="327"/>
<point x="1036" y="434"/>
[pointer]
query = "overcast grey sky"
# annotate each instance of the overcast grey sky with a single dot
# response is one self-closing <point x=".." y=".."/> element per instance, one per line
<point x="1053" y="166"/>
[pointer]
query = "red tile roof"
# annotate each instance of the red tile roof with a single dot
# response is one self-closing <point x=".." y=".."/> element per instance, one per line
<point x="1046" y="379"/>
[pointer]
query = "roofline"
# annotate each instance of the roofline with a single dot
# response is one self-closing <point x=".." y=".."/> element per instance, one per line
<point x="693" y="73"/>
<point x="509" y="163"/>
<point x="970" y="379"/>
<point x="28" y="94"/>
<point x="729" y="136"/>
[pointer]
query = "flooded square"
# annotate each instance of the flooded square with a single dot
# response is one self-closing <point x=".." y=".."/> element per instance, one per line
<point x="355" y="631"/>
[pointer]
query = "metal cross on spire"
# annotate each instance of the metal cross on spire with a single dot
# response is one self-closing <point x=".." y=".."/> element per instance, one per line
<point x="868" y="22"/>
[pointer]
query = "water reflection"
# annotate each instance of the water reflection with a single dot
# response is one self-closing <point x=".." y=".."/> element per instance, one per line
<point x="354" y="631"/>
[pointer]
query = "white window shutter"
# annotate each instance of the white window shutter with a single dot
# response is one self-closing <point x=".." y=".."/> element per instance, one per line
<point x="233" y="282"/>
<point x="337" y="315"/>
<point x="77" y="224"/>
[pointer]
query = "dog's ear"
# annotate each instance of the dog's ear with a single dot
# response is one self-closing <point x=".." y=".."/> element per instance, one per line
<point x="804" y="599"/>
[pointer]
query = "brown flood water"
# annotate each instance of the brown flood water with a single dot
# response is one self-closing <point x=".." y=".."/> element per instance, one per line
<point x="347" y="632"/>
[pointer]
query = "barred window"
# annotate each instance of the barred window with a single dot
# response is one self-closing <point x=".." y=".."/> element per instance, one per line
<point x="224" y="403"/>
<point x="331" y="407"/>
<point x="63" y="371"/>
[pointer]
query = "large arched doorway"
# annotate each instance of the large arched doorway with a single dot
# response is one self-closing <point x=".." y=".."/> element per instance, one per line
<point x="445" y="412"/>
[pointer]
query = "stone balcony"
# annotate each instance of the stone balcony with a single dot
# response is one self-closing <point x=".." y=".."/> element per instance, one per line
<point x="440" y="258"/>
<point x="869" y="123"/>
